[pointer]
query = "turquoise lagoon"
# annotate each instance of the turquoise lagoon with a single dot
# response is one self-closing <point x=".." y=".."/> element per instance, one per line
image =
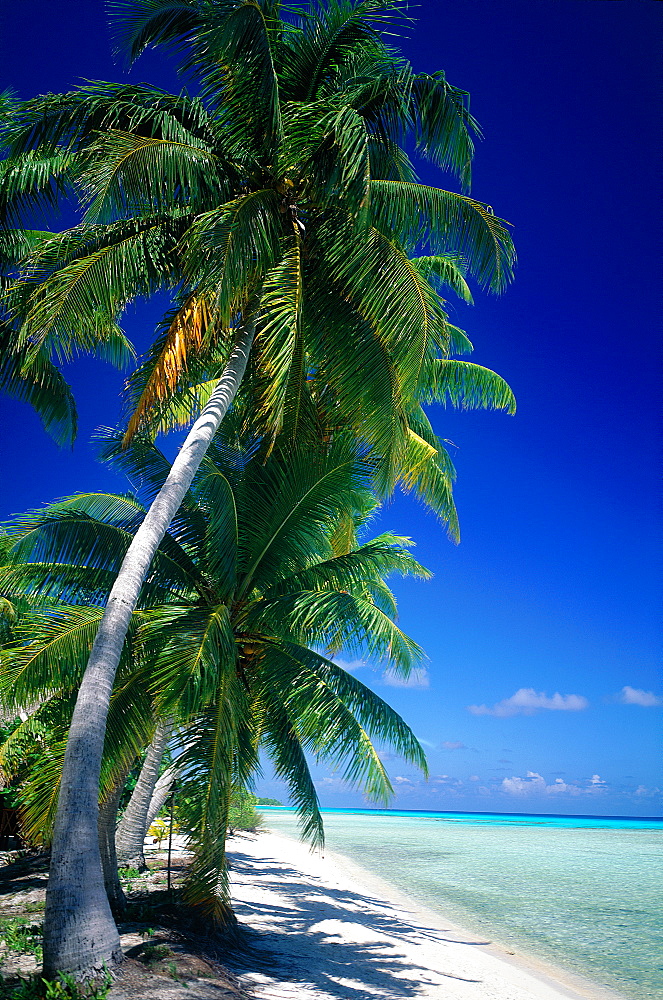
<point x="582" y="892"/>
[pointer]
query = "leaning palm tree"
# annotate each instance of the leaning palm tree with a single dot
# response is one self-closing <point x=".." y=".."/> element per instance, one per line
<point x="282" y="209"/>
<point x="136" y="819"/>
<point x="234" y="651"/>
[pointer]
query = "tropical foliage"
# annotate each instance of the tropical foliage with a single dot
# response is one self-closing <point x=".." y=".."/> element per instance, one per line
<point x="283" y="188"/>
<point x="261" y="570"/>
<point x="280" y="209"/>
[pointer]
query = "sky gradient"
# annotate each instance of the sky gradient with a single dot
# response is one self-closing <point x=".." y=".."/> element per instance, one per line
<point x="541" y="692"/>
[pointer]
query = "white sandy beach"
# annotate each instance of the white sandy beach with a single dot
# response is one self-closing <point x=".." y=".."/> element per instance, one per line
<point x="329" y="930"/>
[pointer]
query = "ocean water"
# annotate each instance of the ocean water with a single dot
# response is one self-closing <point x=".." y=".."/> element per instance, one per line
<point x="584" y="893"/>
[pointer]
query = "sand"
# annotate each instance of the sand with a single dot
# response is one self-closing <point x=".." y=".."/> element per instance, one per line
<point x="326" y="929"/>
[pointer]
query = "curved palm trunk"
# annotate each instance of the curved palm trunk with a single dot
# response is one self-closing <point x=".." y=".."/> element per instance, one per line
<point x="161" y="793"/>
<point x="131" y="831"/>
<point x="80" y="935"/>
<point x="106" y="826"/>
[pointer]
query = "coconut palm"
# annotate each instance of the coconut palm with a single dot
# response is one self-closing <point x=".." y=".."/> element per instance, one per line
<point x="234" y="651"/>
<point x="281" y="207"/>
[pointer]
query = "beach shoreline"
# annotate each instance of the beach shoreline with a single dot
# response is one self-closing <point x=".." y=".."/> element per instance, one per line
<point x="335" y="931"/>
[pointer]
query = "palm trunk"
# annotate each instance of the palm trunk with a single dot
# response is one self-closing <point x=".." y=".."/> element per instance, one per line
<point x="161" y="793"/>
<point x="80" y="935"/>
<point x="106" y="827"/>
<point x="130" y="835"/>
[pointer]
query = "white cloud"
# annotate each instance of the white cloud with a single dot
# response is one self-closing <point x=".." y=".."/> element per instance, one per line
<point x="418" y="678"/>
<point x="350" y="665"/>
<point x="452" y="745"/>
<point x="636" y="696"/>
<point x="526" y="701"/>
<point x="647" y="793"/>
<point x="535" y="784"/>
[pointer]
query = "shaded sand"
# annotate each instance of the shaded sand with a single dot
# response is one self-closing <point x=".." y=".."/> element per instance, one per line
<point x="326" y="929"/>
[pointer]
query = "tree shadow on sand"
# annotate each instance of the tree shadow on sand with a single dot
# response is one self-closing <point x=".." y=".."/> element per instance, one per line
<point x="339" y="941"/>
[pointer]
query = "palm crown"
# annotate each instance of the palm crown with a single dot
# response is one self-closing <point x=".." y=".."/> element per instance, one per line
<point x="281" y="190"/>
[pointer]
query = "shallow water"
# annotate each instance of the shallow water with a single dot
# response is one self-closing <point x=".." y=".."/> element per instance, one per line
<point x="585" y="893"/>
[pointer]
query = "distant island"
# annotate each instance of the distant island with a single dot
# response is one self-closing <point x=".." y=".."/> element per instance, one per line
<point x="268" y="802"/>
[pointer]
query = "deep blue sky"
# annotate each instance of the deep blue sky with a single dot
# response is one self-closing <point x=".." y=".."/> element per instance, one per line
<point x="555" y="586"/>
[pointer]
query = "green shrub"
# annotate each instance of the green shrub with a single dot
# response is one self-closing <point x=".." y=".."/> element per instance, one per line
<point x="242" y="814"/>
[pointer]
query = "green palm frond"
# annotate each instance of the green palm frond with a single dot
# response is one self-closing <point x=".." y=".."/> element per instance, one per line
<point x="366" y="565"/>
<point x="233" y="56"/>
<point x="208" y="769"/>
<point x="449" y="270"/>
<point x="79" y="282"/>
<point x="220" y="553"/>
<point x="140" y="24"/>
<point x="39" y="795"/>
<point x="33" y="181"/>
<point x="337" y="719"/>
<point x="315" y="56"/>
<point x="339" y="621"/>
<point x="468" y="386"/>
<point x="448" y="223"/>
<point x="443" y="124"/>
<point x="354" y="374"/>
<point x="92" y="532"/>
<point x="128" y="174"/>
<point x="283" y="745"/>
<point x="328" y="157"/>
<point x="226" y="248"/>
<point x="191" y="649"/>
<point x="429" y="472"/>
<point x="73" y="121"/>
<point x="129" y="729"/>
<point x="53" y="649"/>
<point x="38" y="382"/>
<point x="279" y="340"/>
<point x="293" y="507"/>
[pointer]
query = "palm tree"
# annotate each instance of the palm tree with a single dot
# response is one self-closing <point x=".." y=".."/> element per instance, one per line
<point x="281" y="206"/>
<point x="234" y="651"/>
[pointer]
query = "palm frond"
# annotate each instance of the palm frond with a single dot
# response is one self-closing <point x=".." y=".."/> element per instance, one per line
<point x="40" y="384"/>
<point x="185" y="336"/>
<point x="32" y="181"/>
<point x="143" y="23"/>
<point x="128" y="174"/>
<point x="282" y="743"/>
<point x="357" y="569"/>
<point x="469" y="386"/>
<point x="448" y="270"/>
<point x="192" y="648"/>
<point x="449" y="223"/>
<point x="78" y="282"/>
<point x="278" y="342"/>
<point x="227" y="247"/>
<point x="292" y="507"/>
